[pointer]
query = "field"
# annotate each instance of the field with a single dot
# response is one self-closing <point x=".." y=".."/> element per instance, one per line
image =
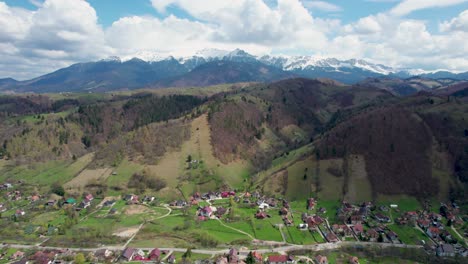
<point x="409" y="235"/>
<point x="45" y="173"/>
<point x="87" y="177"/>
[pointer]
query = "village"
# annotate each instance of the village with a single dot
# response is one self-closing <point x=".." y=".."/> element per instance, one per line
<point x="266" y="223"/>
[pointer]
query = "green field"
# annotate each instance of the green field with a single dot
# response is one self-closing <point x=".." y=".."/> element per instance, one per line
<point x="45" y="173"/>
<point x="408" y="235"/>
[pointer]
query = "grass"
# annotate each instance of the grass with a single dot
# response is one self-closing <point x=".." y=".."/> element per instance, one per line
<point x="331" y="206"/>
<point x="221" y="233"/>
<point x="46" y="173"/>
<point x="296" y="236"/>
<point x="408" y="234"/>
<point x="124" y="171"/>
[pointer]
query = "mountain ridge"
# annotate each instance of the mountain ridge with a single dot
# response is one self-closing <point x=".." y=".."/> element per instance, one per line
<point x="147" y="69"/>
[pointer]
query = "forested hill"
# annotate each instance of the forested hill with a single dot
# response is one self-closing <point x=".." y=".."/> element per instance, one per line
<point x="298" y="135"/>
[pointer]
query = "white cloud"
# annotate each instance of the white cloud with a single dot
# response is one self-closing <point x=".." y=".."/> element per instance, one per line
<point x="322" y="5"/>
<point x="408" y="6"/>
<point x="61" y="32"/>
<point x="365" y="25"/>
<point x="459" y="23"/>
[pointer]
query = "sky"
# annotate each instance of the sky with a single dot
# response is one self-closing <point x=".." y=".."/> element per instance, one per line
<point x="40" y="36"/>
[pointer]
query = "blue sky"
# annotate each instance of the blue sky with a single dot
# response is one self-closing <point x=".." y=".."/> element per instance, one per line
<point x="351" y="10"/>
<point x="38" y="36"/>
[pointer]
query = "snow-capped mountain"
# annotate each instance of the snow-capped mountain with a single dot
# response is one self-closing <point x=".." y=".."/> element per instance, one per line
<point x="206" y="67"/>
<point x="287" y="63"/>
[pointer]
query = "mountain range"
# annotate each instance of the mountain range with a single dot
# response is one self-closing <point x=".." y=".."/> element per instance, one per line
<point x="207" y="67"/>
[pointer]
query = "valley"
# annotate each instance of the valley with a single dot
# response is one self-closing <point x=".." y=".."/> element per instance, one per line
<point x="235" y="166"/>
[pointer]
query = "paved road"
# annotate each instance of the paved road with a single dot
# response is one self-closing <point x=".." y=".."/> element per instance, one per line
<point x="314" y="247"/>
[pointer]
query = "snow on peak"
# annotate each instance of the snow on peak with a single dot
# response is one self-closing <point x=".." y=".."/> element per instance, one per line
<point x="112" y="58"/>
<point x="146" y="55"/>
<point x="211" y="53"/>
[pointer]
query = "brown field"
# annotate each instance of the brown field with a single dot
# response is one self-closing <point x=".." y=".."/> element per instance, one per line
<point x="136" y="209"/>
<point x="88" y="176"/>
<point x="359" y="188"/>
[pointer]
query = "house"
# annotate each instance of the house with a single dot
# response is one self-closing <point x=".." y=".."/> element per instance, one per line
<point x="34" y="198"/>
<point x="89" y="197"/>
<point x="322" y="210"/>
<point x="412" y="215"/>
<point x="393" y="206"/>
<point x="382" y="218"/>
<point x="129" y="253"/>
<point x="109" y="203"/>
<point x="150" y="199"/>
<point x="287" y="221"/>
<point x="154" y="255"/>
<point x="272" y="202"/>
<point x="233" y="256"/>
<point x="43" y="257"/>
<point x="433" y="232"/>
<point x="51" y="202"/>
<point x="2" y="208"/>
<point x="257" y="256"/>
<point x="392" y="236"/>
<point x="220" y="211"/>
<point x="261" y="215"/>
<point x="222" y="260"/>
<point x="353" y="260"/>
<point x="358" y="229"/>
<point x="355" y="219"/>
<point x="171" y="259"/>
<point x="280" y="259"/>
<point x="372" y="234"/>
<point x="83" y="205"/>
<point x="71" y="201"/>
<point x="319" y="259"/>
<point x="314" y="221"/>
<point x="435" y="217"/>
<point x="445" y="250"/>
<point x="103" y="254"/>
<point x="6" y="186"/>
<point x="128" y="197"/>
<point x="343" y="230"/>
<point x="311" y="203"/>
<point x="303" y="226"/>
<point x="331" y="237"/>
<point x="263" y="206"/>
<point x="206" y="211"/>
<point x="139" y="255"/>
<point x="227" y="194"/>
<point x="20" y="212"/>
<point x="284" y="211"/>
<point x="17" y="255"/>
<point x="424" y="223"/>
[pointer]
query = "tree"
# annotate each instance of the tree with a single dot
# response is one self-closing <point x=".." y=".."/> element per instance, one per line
<point x="80" y="258"/>
<point x="187" y="254"/>
<point x="57" y="189"/>
<point x="250" y="258"/>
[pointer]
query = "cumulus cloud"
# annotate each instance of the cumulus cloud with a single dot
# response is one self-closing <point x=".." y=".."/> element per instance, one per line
<point x="459" y="23"/>
<point x="59" y="33"/>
